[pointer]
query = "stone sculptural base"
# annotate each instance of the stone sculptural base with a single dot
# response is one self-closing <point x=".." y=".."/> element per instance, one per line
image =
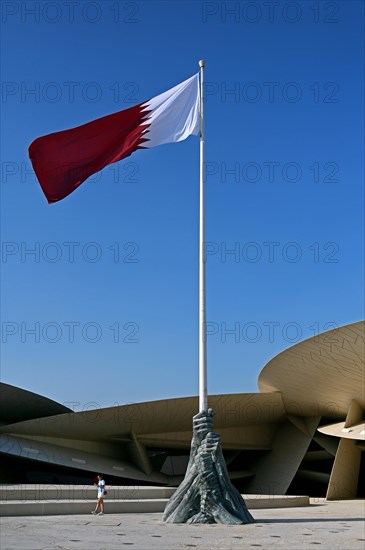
<point x="206" y="494"/>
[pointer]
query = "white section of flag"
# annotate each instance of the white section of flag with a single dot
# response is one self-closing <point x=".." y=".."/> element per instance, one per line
<point x="175" y="114"/>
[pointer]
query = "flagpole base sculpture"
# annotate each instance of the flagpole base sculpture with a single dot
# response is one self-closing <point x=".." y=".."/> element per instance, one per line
<point x="206" y="494"/>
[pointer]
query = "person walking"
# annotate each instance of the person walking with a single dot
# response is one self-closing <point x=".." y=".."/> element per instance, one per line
<point x="100" y="484"/>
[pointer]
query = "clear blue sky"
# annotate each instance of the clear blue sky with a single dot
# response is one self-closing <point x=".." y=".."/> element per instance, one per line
<point x="284" y="147"/>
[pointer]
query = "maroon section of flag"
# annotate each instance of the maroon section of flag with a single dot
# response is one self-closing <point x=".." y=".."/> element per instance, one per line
<point x="64" y="160"/>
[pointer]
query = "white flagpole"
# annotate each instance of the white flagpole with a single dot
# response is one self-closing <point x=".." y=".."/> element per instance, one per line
<point x="203" y="392"/>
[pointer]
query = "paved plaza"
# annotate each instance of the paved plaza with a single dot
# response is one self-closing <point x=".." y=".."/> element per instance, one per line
<point x="330" y="525"/>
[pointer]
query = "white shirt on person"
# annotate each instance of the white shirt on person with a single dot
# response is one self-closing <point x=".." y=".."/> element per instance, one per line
<point x="101" y="487"/>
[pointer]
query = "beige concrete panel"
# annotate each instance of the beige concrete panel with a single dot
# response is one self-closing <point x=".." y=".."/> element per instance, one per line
<point x="304" y="424"/>
<point x="355" y="413"/>
<point x="73" y="458"/>
<point x="276" y="470"/>
<point x="257" y="437"/>
<point x="115" y="449"/>
<point x="311" y="475"/>
<point x="352" y="428"/>
<point x="328" y="443"/>
<point x="321" y="375"/>
<point x="345" y="472"/>
<point x="246" y="437"/>
<point x="174" y="440"/>
<point x="314" y="456"/>
<point x="339" y="430"/>
<point x="138" y="455"/>
<point x="169" y="415"/>
<point x="240" y="474"/>
<point x="346" y="467"/>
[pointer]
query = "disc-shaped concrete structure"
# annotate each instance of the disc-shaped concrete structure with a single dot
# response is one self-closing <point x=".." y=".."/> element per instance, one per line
<point x="321" y="375"/>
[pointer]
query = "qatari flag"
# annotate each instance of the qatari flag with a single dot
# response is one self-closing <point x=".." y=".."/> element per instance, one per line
<point x="64" y="160"/>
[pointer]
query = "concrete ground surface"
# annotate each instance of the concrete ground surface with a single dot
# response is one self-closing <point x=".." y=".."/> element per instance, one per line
<point x="330" y="525"/>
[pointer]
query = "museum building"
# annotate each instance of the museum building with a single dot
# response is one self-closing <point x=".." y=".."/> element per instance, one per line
<point x="303" y="433"/>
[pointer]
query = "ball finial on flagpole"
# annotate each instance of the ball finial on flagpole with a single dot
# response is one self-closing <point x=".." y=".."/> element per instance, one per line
<point x="201" y="62"/>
